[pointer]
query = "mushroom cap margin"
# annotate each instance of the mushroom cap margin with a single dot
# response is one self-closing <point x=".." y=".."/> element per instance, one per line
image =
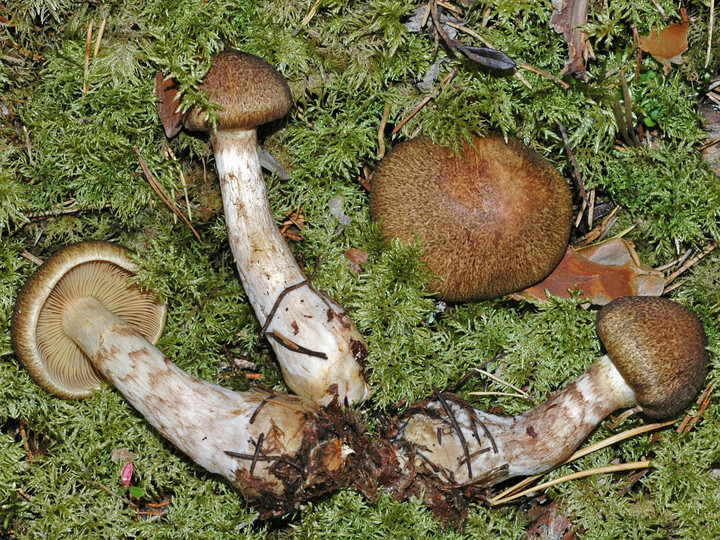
<point x="32" y="299"/>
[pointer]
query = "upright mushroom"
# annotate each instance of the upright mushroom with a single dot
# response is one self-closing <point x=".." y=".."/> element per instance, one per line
<point x="493" y="220"/>
<point x="317" y="346"/>
<point x="656" y="360"/>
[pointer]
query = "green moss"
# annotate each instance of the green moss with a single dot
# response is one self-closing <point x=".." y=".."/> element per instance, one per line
<point x="75" y="175"/>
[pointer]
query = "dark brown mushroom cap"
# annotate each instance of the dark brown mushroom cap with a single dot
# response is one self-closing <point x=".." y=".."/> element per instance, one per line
<point x="492" y="221"/>
<point x="94" y="268"/>
<point x="248" y="91"/>
<point x="659" y="347"/>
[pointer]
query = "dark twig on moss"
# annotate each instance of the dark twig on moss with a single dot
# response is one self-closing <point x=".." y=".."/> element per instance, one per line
<point x="456" y="427"/>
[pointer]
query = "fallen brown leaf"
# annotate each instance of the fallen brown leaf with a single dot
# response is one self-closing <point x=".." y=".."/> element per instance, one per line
<point x="166" y="91"/>
<point x="551" y="525"/>
<point x="356" y="258"/>
<point x="668" y="44"/>
<point x="602" y="272"/>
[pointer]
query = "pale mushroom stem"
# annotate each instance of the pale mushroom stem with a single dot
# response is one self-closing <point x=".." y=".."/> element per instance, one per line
<point x="463" y="445"/>
<point x="316" y="344"/>
<point x="203" y="420"/>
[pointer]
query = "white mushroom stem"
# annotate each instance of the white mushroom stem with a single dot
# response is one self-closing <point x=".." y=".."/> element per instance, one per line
<point x="442" y="435"/>
<point x="203" y="420"/>
<point x="303" y="318"/>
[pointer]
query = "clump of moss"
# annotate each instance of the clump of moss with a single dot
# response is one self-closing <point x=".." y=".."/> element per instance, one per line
<point x="69" y="171"/>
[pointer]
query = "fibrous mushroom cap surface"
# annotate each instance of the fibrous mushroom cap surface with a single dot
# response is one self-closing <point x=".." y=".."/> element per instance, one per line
<point x="493" y="220"/>
<point x="94" y="268"/>
<point x="248" y="91"/>
<point x="659" y="347"/>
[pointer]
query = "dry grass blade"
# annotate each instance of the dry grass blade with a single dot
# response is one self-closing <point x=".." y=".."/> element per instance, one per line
<point x="574" y="476"/>
<point x="424" y="101"/>
<point x="691" y="262"/>
<point x="711" y="23"/>
<point x="703" y="401"/>
<point x="157" y="188"/>
<point x="498" y="379"/>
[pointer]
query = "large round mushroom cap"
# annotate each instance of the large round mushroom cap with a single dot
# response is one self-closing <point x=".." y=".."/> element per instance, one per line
<point x="248" y="91"/>
<point x="87" y="269"/>
<point x="659" y="347"/>
<point x="490" y="221"/>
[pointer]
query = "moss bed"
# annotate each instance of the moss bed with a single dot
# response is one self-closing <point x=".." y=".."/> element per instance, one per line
<point x="69" y="172"/>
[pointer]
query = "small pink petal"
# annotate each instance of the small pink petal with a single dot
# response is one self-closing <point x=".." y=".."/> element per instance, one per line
<point x="126" y="474"/>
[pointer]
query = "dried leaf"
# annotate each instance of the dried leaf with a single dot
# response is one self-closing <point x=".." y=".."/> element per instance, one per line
<point x="356" y="258"/>
<point x="602" y="272"/>
<point x="122" y="454"/>
<point x="166" y="91"/>
<point x="551" y="525"/>
<point x="271" y="165"/>
<point x="668" y="44"/>
<point x="568" y="18"/>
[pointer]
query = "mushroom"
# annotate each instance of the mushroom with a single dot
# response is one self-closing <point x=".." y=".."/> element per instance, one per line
<point x="490" y="221"/>
<point x="318" y="347"/>
<point x="656" y="361"/>
<point x="78" y="321"/>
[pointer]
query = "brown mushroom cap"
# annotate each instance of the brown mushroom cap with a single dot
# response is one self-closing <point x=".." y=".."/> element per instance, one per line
<point x="659" y="347"/>
<point x="248" y="91"/>
<point x="94" y="268"/>
<point x="494" y="220"/>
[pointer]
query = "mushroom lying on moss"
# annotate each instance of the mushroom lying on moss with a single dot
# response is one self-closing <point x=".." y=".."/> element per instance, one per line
<point x="490" y="221"/>
<point x="78" y="321"/>
<point x="281" y="450"/>
<point x="656" y="360"/>
<point x="317" y="345"/>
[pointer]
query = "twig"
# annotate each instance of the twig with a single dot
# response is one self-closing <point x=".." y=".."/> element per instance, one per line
<point x="32" y="258"/>
<point x="591" y="210"/>
<point x="111" y="492"/>
<point x="588" y="450"/>
<point x="88" y="44"/>
<point x="457" y="429"/>
<point x="594" y="234"/>
<point x="691" y="419"/>
<point x="472" y="372"/>
<point x="710" y="32"/>
<point x="424" y="101"/>
<point x="710" y="143"/>
<point x="28" y="145"/>
<point x="628" y="109"/>
<point x="498" y="379"/>
<point x="307" y="18"/>
<point x="99" y="37"/>
<point x="381" y="130"/>
<point x="576" y="167"/>
<point x="290" y="345"/>
<point x="162" y="194"/>
<point x="677" y="261"/>
<point x="707" y="249"/>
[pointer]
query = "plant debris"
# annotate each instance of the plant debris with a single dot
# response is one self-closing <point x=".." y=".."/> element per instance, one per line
<point x="568" y="19"/>
<point x="601" y="272"/>
<point x="667" y="45"/>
